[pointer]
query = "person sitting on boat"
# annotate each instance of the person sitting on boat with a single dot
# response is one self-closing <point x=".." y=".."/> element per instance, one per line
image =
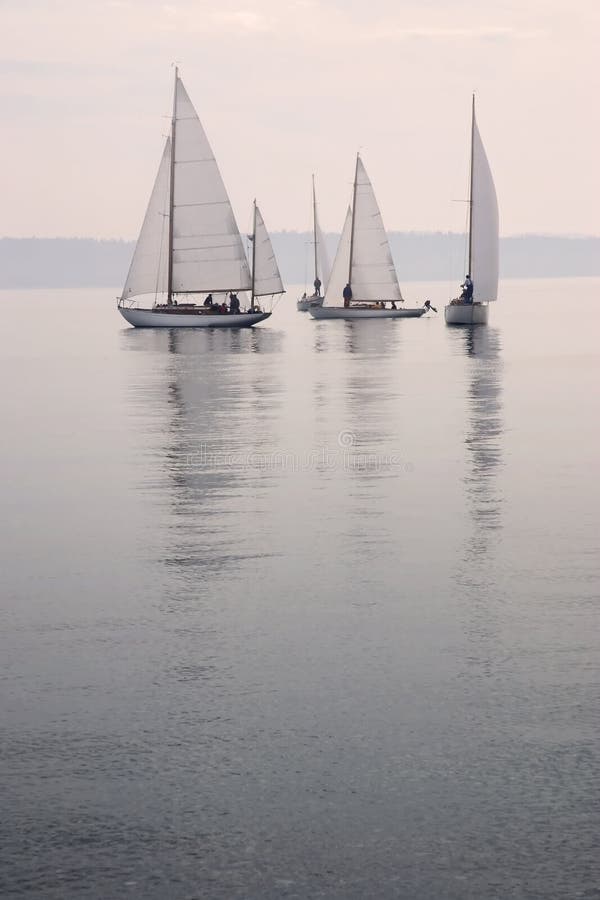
<point x="234" y="303"/>
<point x="429" y="307"/>
<point x="317" y="284"/>
<point x="467" y="293"/>
<point x="347" y="295"/>
<point x="209" y="301"/>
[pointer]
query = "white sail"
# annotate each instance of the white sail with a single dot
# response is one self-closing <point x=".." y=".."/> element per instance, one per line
<point x="267" y="279"/>
<point x="208" y="253"/>
<point x="323" y="264"/>
<point x="373" y="276"/>
<point x="341" y="264"/>
<point x="484" y="224"/>
<point x="148" y="269"/>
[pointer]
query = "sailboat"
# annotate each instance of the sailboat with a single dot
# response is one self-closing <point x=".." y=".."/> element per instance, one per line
<point x="483" y="239"/>
<point x="190" y="243"/>
<point x="320" y="260"/>
<point x="364" y="263"/>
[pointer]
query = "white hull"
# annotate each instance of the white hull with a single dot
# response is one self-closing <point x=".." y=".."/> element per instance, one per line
<point x="150" y="318"/>
<point x="304" y="304"/>
<point x="466" y="314"/>
<point x="356" y="312"/>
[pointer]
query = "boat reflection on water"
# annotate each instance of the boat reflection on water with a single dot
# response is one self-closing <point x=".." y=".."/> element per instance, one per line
<point x="210" y="418"/>
<point x="483" y="438"/>
<point x="480" y="576"/>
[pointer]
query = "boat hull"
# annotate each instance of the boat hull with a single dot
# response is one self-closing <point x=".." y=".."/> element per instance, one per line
<point x="349" y="312"/>
<point x="150" y="318"/>
<point x="466" y="313"/>
<point x="305" y="303"/>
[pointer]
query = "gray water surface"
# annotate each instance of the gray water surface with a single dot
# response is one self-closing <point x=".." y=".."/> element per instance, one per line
<point x="304" y="611"/>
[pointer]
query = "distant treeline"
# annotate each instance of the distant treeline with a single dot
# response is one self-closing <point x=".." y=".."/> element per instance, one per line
<point x="84" y="262"/>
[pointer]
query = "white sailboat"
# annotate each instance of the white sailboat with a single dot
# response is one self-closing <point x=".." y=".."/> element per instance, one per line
<point x="364" y="264"/>
<point x="190" y="244"/>
<point x="321" y="265"/>
<point x="483" y="239"/>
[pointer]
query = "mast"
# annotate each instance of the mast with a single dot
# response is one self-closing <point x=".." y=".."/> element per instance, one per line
<point x="315" y="227"/>
<point x="471" y="186"/>
<point x="172" y="193"/>
<point x="253" y="255"/>
<point x="352" y="226"/>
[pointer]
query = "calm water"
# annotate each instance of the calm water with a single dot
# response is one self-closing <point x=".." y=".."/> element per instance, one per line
<point x="305" y="611"/>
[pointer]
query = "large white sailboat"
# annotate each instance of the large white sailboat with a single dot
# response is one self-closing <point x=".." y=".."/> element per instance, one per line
<point x="363" y="282"/>
<point x="321" y="267"/>
<point x="482" y="267"/>
<point x="190" y="244"/>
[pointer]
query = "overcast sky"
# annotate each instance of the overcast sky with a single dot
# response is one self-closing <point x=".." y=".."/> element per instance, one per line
<point x="289" y="87"/>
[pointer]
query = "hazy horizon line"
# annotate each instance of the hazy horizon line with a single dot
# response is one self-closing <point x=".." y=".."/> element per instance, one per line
<point x="124" y="240"/>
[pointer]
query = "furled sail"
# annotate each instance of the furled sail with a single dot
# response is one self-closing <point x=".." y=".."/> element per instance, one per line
<point x="208" y="253"/>
<point x="373" y="274"/>
<point x="484" y="224"/>
<point x="149" y="266"/>
<point x="267" y="279"/>
<point x="339" y="272"/>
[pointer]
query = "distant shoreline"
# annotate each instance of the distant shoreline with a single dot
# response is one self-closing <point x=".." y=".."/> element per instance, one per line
<point x="419" y="256"/>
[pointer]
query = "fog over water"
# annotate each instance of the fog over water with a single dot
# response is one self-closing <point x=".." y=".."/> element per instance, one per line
<point x="308" y="610"/>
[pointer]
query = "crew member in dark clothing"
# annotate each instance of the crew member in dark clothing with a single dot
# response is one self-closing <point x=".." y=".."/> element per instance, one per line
<point x="317" y="284"/>
<point x="429" y="307"/>
<point x="209" y="301"/>
<point x="347" y="295"/>
<point x="234" y="303"/>
<point x="467" y="294"/>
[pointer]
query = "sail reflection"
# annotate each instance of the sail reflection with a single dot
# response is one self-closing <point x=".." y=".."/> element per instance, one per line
<point x="215" y="412"/>
<point x="483" y="438"/>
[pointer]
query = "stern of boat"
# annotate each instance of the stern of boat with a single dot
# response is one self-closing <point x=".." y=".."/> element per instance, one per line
<point x="466" y="313"/>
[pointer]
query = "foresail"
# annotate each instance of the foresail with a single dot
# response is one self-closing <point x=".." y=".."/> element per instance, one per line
<point x="339" y="272"/>
<point x="373" y="272"/>
<point x="267" y="279"/>
<point x="208" y="253"/>
<point x="484" y="225"/>
<point x="148" y="269"/>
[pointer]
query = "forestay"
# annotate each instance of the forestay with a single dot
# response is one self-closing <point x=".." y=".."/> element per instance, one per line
<point x="372" y="271"/>
<point x="341" y="263"/>
<point x="208" y="253"/>
<point x="148" y="271"/>
<point x="484" y="224"/>
<point x="267" y="279"/>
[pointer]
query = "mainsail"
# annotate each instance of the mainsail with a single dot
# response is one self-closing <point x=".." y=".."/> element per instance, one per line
<point x="372" y="273"/>
<point x="322" y="264"/>
<point x="483" y="223"/>
<point x="190" y="207"/>
<point x="149" y="266"/>
<point x="208" y="253"/>
<point x="339" y="272"/>
<point x="266" y="277"/>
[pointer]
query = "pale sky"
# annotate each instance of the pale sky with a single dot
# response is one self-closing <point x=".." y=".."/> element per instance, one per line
<point x="285" y="88"/>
